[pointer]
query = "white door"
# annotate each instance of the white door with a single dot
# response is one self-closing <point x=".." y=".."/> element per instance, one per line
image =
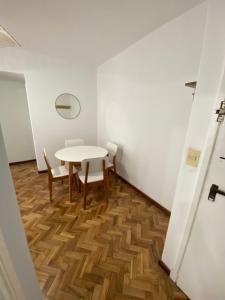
<point x="202" y="272"/>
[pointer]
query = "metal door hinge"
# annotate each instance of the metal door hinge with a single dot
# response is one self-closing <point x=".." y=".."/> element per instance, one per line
<point x="221" y="112"/>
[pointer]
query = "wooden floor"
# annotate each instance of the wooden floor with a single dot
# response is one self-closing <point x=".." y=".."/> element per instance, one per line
<point x="102" y="253"/>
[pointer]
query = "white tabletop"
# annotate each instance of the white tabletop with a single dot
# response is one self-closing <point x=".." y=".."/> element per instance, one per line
<point x="78" y="153"/>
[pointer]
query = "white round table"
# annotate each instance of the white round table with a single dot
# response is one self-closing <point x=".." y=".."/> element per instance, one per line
<point x="77" y="154"/>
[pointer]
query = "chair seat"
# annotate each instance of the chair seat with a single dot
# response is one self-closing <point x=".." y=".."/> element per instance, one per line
<point x="109" y="165"/>
<point x="61" y="171"/>
<point x="92" y="177"/>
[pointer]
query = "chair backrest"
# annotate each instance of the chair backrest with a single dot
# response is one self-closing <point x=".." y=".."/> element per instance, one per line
<point x="46" y="161"/>
<point x="94" y="165"/>
<point x="112" y="149"/>
<point x="74" y="142"/>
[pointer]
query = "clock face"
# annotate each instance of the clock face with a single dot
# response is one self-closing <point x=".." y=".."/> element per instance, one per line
<point x="68" y="106"/>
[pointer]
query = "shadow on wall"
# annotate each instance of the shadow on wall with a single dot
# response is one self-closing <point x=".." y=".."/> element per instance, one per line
<point x="120" y="165"/>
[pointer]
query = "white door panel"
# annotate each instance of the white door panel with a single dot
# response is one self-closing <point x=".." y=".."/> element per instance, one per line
<point x="202" y="273"/>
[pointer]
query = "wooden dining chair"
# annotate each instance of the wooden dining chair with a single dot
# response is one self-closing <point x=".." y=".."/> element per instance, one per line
<point x="112" y="151"/>
<point x="57" y="173"/>
<point x="74" y="142"/>
<point x="93" y="172"/>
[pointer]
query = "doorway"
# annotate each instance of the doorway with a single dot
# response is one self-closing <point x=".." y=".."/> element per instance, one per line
<point x="15" y="118"/>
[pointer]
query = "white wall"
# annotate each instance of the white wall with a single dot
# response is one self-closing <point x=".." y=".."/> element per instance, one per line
<point x="13" y="233"/>
<point x="46" y="78"/>
<point x="190" y="180"/>
<point x="15" y="120"/>
<point x="144" y="106"/>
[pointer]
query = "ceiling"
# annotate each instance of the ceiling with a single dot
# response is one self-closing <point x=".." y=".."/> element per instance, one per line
<point x="89" y="31"/>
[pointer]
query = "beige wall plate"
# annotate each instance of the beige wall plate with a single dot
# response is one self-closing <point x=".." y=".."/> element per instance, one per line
<point x="193" y="156"/>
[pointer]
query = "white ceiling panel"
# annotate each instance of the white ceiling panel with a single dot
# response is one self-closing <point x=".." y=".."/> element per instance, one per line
<point x="88" y="31"/>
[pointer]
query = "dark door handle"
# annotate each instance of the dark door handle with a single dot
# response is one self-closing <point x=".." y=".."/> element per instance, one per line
<point x="213" y="191"/>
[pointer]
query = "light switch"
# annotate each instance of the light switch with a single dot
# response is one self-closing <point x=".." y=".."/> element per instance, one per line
<point x="193" y="156"/>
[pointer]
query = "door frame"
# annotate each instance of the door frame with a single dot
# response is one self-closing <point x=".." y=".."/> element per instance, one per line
<point x="203" y="169"/>
<point x="20" y="77"/>
<point x="9" y="283"/>
<point x="17" y="274"/>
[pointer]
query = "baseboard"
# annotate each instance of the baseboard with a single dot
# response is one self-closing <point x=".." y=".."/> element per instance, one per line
<point x="21" y="162"/>
<point x="164" y="267"/>
<point x="182" y="291"/>
<point x="165" y="210"/>
<point x="42" y="171"/>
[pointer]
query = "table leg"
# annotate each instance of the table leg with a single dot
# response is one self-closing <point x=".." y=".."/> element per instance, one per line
<point x="70" y="180"/>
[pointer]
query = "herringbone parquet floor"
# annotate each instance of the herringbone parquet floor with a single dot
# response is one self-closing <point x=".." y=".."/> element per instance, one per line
<point x="101" y="253"/>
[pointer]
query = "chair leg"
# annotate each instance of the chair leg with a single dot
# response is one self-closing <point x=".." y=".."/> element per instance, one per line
<point x="106" y="187"/>
<point x="114" y="164"/>
<point x="75" y="182"/>
<point x="62" y="164"/>
<point x="114" y="168"/>
<point x="50" y="189"/>
<point x="70" y="180"/>
<point x="85" y="196"/>
<point x="79" y="185"/>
